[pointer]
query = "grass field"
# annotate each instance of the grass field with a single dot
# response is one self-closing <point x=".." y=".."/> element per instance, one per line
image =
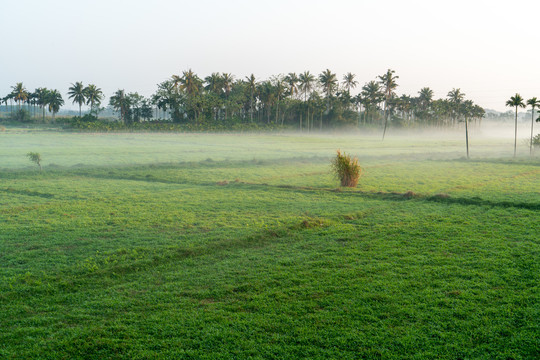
<point x="163" y="246"/>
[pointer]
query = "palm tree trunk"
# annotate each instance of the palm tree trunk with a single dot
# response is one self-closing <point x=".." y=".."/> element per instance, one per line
<point x="515" y="134"/>
<point x="467" y="136"/>
<point x="532" y="127"/>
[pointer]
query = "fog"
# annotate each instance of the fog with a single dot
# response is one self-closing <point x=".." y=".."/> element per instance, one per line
<point x="64" y="149"/>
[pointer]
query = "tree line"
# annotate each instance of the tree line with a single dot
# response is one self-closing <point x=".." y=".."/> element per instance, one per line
<point x="303" y="101"/>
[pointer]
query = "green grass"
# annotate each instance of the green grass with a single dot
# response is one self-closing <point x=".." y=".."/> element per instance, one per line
<point x="148" y="246"/>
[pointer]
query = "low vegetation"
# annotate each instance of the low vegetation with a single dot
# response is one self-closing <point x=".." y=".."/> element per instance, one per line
<point x="346" y="169"/>
<point x="216" y="247"/>
<point x="35" y="158"/>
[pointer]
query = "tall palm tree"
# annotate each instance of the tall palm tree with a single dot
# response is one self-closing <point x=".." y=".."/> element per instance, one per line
<point x="349" y="82"/>
<point x="329" y="83"/>
<point x="252" y="87"/>
<point x="425" y="97"/>
<point x="54" y="101"/>
<point x="42" y="95"/>
<point x="533" y="102"/>
<point x="388" y="81"/>
<point x="515" y="101"/>
<point x="292" y="81"/>
<point x="77" y="93"/>
<point x="120" y="102"/>
<point x="372" y="95"/>
<point x="93" y="95"/>
<point x="20" y="94"/>
<point x="307" y="82"/>
<point x="455" y="96"/>
<point x="227" y="80"/>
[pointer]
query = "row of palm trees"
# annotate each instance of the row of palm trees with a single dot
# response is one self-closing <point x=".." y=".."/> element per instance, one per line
<point x="517" y="101"/>
<point x="52" y="100"/>
<point x="303" y="100"/>
<point x="41" y="97"/>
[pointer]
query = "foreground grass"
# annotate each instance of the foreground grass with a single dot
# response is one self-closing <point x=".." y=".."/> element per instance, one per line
<point x="265" y="258"/>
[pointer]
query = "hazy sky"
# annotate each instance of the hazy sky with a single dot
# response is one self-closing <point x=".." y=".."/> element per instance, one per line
<point x="489" y="49"/>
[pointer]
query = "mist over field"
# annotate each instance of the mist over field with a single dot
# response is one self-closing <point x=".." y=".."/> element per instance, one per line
<point x="65" y="149"/>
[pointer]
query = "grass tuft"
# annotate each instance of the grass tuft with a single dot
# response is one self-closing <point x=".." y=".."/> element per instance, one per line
<point x="346" y="169"/>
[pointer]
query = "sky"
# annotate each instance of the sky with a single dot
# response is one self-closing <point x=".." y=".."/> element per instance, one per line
<point x="488" y="49"/>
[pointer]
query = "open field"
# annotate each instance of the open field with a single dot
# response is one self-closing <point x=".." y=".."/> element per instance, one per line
<point x="149" y="246"/>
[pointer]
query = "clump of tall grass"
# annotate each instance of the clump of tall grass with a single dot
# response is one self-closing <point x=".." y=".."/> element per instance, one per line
<point x="346" y="169"/>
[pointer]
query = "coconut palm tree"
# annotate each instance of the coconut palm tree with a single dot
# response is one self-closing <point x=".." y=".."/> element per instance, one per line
<point x="455" y="96"/>
<point x="252" y="87"/>
<point x="20" y="94"/>
<point x="349" y="82"/>
<point x="329" y="82"/>
<point x="372" y="95"/>
<point x="42" y="95"/>
<point x="388" y="81"/>
<point x="515" y="101"/>
<point x="120" y="102"/>
<point x="93" y="95"/>
<point x="54" y="101"/>
<point x="77" y="93"/>
<point x="533" y="102"/>
<point x="307" y="83"/>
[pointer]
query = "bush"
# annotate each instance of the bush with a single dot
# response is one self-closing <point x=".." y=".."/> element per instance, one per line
<point x="346" y="169"/>
<point x="536" y="141"/>
<point x="35" y="157"/>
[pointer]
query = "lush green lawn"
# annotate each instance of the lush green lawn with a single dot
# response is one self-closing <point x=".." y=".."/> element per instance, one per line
<point x="225" y="246"/>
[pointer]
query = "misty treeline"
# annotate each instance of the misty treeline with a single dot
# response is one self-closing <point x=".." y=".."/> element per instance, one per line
<point x="303" y="101"/>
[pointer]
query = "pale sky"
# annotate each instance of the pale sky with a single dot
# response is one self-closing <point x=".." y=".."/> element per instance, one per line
<point x="488" y="49"/>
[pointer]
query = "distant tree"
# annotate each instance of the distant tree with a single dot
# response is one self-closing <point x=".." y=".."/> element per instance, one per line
<point x="533" y="102"/>
<point x="120" y="102"/>
<point x="349" y="82"/>
<point x="372" y="95"/>
<point x="515" y="101"/>
<point x="455" y="96"/>
<point x="77" y="93"/>
<point x="54" y="101"/>
<point x="20" y="94"/>
<point x="306" y="83"/>
<point x="93" y="96"/>
<point x="389" y="84"/>
<point x="42" y="95"/>
<point x="329" y="84"/>
<point x="252" y="87"/>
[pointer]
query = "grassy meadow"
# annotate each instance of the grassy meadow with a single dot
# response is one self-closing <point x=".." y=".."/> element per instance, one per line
<point x="231" y="246"/>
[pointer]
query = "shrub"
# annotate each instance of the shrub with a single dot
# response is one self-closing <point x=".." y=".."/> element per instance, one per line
<point x="346" y="169"/>
<point x="35" y="157"/>
<point x="536" y="141"/>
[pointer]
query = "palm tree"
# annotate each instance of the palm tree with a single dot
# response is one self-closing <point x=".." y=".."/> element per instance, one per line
<point x="515" y="101"/>
<point x="329" y="83"/>
<point x="77" y="93"/>
<point x="425" y="96"/>
<point x="93" y="95"/>
<point x="307" y="81"/>
<point x="455" y="96"/>
<point x="388" y="81"/>
<point x="42" y="95"/>
<point x="55" y="101"/>
<point x="372" y="95"/>
<point x="349" y="82"/>
<point x="252" y="86"/>
<point x="120" y="102"/>
<point x="227" y="81"/>
<point x="534" y="102"/>
<point x="20" y="94"/>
